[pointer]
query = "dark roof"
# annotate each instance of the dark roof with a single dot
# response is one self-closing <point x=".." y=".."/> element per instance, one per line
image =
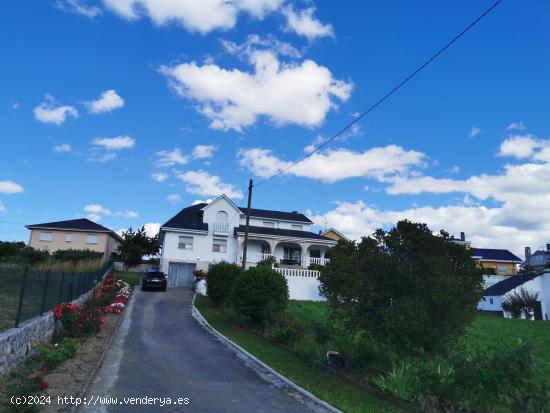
<point x="188" y="218"/>
<point x="80" y="224"/>
<point x="265" y="213"/>
<point x="282" y="232"/>
<point x="494" y="254"/>
<point x="506" y="285"/>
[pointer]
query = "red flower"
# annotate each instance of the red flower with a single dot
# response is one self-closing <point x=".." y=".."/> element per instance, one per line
<point x="43" y="384"/>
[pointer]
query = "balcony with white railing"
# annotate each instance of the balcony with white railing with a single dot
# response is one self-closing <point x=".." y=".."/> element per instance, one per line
<point x="220" y="228"/>
<point x="318" y="261"/>
<point x="256" y="257"/>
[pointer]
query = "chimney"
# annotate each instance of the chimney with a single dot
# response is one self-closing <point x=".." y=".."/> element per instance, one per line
<point x="528" y="255"/>
<point x="320" y="232"/>
<point x="462" y="236"/>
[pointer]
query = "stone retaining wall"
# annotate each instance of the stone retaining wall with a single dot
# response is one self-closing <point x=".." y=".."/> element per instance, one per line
<point x="16" y="344"/>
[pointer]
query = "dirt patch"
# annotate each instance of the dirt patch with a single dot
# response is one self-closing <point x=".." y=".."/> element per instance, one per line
<point x="69" y="378"/>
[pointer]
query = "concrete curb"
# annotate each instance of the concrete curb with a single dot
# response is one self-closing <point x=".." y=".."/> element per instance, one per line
<point x="99" y="363"/>
<point x="199" y="317"/>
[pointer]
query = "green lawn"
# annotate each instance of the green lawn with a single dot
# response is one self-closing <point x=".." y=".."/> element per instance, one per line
<point x="132" y="278"/>
<point x="335" y="390"/>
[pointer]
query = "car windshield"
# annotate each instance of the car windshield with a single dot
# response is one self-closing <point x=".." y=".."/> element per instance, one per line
<point x="154" y="274"/>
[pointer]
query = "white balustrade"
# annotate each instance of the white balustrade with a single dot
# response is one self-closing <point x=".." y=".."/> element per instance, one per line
<point x="221" y="227"/>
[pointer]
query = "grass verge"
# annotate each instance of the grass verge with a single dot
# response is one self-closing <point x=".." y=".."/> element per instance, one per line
<point x="335" y="390"/>
<point x="132" y="278"/>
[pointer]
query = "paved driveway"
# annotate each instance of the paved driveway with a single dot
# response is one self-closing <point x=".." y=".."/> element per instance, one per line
<point x="162" y="351"/>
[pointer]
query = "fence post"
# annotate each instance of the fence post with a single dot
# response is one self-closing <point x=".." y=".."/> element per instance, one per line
<point x="61" y="287"/>
<point x="21" y="296"/>
<point x="43" y="303"/>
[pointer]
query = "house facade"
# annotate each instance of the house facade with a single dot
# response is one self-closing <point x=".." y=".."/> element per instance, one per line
<point x="502" y="261"/>
<point x="496" y="292"/>
<point x="208" y="233"/>
<point x="334" y="234"/>
<point x="538" y="261"/>
<point x="78" y="234"/>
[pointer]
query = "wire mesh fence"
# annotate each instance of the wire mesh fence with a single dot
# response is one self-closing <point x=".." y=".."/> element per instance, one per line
<point x="26" y="292"/>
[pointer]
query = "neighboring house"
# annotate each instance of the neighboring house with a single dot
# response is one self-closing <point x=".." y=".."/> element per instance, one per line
<point x="461" y="240"/>
<point x="78" y="234"/>
<point x="502" y="261"/>
<point x="207" y="233"/>
<point x="335" y="235"/>
<point x="538" y="261"/>
<point x="496" y="293"/>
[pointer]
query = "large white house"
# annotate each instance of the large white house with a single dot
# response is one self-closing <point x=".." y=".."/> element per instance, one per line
<point x="207" y="233"/>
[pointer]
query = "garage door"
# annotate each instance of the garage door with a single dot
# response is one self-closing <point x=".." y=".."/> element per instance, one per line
<point x="180" y="274"/>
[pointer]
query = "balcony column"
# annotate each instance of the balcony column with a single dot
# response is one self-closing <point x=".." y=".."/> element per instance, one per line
<point x="305" y="251"/>
<point x="240" y="242"/>
<point x="272" y="245"/>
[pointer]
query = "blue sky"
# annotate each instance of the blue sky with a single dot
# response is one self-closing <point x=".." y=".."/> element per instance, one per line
<point x="128" y="110"/>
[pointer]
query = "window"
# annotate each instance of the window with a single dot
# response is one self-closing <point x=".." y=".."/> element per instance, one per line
<point x="269" y="224"/>
<point x="46" y="237"/>
<point x="290" y="253"/>
<point x="219" y="245"/>
<point x="490" y="301"/>
<point x="91" y="239"/>
<point x="221" y="216"/>
<point x="185" y="243"/>
<point x="297" y="227"/>
<point x="69" y="237"/>
<point x="502" y="269"/>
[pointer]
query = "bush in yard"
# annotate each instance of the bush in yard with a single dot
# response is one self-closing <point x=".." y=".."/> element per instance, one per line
<point x="289" y="332"/>
<point x="407" y="288"/>
<point x="260" y="294"/>
<point x="220" y="279"/>
<point x="500" y="378"/>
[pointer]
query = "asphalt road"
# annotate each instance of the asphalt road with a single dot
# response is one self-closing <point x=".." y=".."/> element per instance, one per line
<point x="162" y="351"/>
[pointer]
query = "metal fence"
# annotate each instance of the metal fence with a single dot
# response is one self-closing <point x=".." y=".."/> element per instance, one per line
<point x="26" y="292"/>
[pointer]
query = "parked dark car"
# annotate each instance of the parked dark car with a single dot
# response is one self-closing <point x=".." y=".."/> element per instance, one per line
<point x="154" y="279"/>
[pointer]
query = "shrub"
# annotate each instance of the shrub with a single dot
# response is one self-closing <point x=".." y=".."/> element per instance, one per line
<point x="501" y="377"/>
<point x="76" y="255"/>
<point x="51" y="356"/>
<point x="260" y="294"/>
<point x="220" y="279"/>
<point x="406" y="288"/>
<point x="289" y="332"/>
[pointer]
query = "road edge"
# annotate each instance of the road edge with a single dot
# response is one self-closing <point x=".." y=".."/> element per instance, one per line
<point x="200" y="318"/>
<point x="99" y="363"/>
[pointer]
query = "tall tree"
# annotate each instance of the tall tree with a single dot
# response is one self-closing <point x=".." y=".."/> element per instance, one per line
<point x="135" y="245"/>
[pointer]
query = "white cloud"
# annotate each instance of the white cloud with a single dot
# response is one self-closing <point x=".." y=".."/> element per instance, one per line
<point x="97" y="209"/>
<point x="203" y="151"/>
<point x="63" y="148"/>
<point x="254" y="42"/>
<point x="334" y="165"/>
<point x="94" y="217"/>
<point x="78" y="7"/>
<point x="174" y="198"/>
<point x="51" y="111"/>
<point x="355" y="130"/>
<point x="10" y="187"/>
<point x="127" y="214"/>
<point x="474" y="131"/>
<point x="202" y="183"/>
<point x="516" y="126"/>
<point x="171" y="158"/>
<point x="115" y="144"/>
<point x="483" y="226"/>
<point x="290" y="93"/>
<point x="202" y="201"/>
<point x="521" y="146"/>
<point x="152" y="228"/>
<point x="108" y="101"/>
<point x="2" y="207"/>
<point x="455" y="169"/>
<point x="303" y="22"/>
<point x="159" y="177"/>
<point x="201" y="16"/>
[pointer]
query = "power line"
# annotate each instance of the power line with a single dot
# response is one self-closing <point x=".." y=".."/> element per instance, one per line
<point x="387" y="95"/>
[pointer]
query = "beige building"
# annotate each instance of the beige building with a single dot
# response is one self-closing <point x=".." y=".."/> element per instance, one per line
<point x="335" y="235"/>
<point x="78" y="234"/>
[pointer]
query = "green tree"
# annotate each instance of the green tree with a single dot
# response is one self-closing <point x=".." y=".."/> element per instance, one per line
<point x="406" y="288"/>
<point x="220" y="279"/>
<point x="521" y="302"/>
<point x="135" y="245"/>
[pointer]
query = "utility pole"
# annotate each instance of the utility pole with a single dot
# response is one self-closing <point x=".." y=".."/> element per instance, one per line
<point x="245" y="246"/>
